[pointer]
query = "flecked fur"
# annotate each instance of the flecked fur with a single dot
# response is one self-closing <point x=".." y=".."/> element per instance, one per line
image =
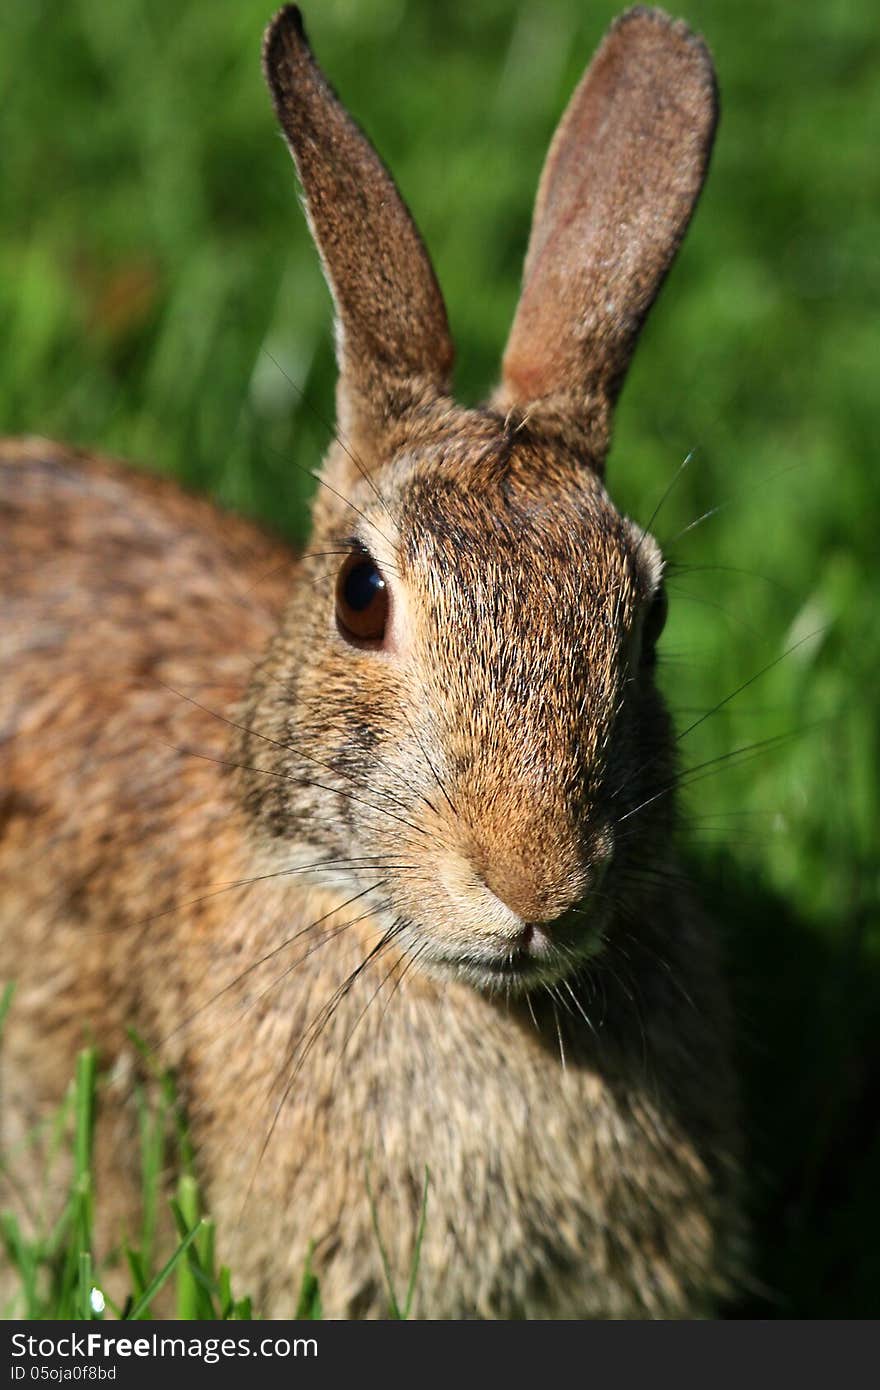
<point x="406" y="906"/>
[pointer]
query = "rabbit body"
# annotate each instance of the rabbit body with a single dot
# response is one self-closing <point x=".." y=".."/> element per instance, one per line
<point x="388" y="907"/>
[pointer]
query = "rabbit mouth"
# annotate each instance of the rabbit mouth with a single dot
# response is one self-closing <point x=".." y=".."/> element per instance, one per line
<point x="517" y="965"/>
<point x="537" y="959"/>
<point x="510" y="975"/>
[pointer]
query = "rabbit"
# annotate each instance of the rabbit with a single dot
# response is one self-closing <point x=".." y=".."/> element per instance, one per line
<point x="373" y="846"/>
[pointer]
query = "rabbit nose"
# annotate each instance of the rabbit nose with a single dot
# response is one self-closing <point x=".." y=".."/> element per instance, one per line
<point x="533" y="895"/>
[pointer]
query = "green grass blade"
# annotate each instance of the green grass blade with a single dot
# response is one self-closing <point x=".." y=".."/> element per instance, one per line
<point x="224" y="1292"/>
<point x="5" y="1003"/>
<point x="86" y="1070"/>
<point x="417" y="1252"/>
<point x="21" y="1255"/>
<point x="146" y="1298"/>
<point x="86" y="1283"/>
<point x="394" y="1306"/>
<point x="189" y="1295"/>
<point x="308" y="1304"/>
<point x="137" y="1272"/>
<point x="68" y="1293"/>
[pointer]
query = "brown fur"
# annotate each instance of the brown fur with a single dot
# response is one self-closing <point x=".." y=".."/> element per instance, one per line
<point x="398" y="907"/>
<point x="607" y="226"/>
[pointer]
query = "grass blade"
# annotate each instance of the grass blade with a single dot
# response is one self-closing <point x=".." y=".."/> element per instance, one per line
<point x="308" y="1304"/>
<point x="5" y="1002"/>
<point x="394" y="1306"/>
<point x="417" y="1252"/>
<point x="165" y="1272"/>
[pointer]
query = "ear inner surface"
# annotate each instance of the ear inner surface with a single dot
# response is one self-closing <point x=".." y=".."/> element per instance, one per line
<point x="392" y="330"/>
<point x="620" y="184"/>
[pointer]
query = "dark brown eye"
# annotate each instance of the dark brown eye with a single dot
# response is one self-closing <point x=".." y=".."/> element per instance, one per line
<point x="655" y="621"/>
<point x="361" y="599"/>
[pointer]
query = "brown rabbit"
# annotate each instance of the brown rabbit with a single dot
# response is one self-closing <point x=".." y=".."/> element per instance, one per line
<point x="375" y="848"/>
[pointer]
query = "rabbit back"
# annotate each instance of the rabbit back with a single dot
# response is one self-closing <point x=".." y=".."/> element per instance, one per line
<point x="124" y="601"/>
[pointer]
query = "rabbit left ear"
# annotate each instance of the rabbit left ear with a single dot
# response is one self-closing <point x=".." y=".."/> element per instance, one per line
<point x="621" y="181"/>
<point x="393" y="341"/>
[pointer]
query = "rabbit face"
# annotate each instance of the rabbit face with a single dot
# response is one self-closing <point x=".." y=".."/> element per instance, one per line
<point x="464" y="722"/>
<point x="499" y="725"/>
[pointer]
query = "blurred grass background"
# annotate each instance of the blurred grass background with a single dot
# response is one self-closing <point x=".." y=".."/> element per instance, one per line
<point x="160" y="298"/>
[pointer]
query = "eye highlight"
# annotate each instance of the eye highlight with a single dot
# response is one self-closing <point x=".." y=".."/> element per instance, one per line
<point x="361" y="599"/>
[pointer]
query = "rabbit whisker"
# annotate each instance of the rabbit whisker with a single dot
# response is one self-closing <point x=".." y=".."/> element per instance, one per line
<point x="299" y="782"/>
<point x="642" y="945"/>
<point x="745" y="685"/>
<point x="411" y="960"/>
<point x="687" y="597"/>
<point x="734" y="496"/>
<point x="318" y="478"/>
<point x="269" y="955"/>
<point x="682" y="568"/>
<point x="218" y="889"/>
<point x="309" y="1037"/>
<point x="531" y="1008"/>
<point x="670" y="487"/>
<point x="323" y="940"/>
<point x="276" y="743"/>
<point x="437" y="778"/>
<point x="580" y="1008"/>
<point x="407" y="962"/>
<point x="553" y="1000"/>
<point x="719" y="706"/>
<point x="687" y="777"/>
<point x="332" y="430"/>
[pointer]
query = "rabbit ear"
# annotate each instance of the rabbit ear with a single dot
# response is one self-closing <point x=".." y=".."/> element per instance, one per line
<point x="393" y="341"/>
<point x="621" y="181"/>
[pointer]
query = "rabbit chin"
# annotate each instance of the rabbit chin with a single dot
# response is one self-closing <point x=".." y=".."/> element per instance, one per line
<point x="537" y="954"/>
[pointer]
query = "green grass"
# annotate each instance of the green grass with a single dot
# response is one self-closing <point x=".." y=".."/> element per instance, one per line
<point x="158" y="289"/>
<point x="57" y="1273"/>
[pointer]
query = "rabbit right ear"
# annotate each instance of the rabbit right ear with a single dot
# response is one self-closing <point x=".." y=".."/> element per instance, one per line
<point x="621" y="181"/>
<point x="392" y="336"/>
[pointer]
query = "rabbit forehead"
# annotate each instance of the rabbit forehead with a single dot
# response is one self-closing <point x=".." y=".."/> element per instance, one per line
<point x="521" y="526"/>
<point x="520" y="602"/>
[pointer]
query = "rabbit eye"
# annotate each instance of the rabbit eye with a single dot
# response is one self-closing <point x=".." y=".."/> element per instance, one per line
<point x="655" y="621"/>
<point x="361" y="599"/>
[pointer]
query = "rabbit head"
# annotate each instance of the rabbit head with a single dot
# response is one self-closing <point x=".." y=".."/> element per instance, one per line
<point x="459" y="713"/>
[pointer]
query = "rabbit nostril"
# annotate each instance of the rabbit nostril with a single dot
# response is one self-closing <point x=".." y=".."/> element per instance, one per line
<point x="540" y="936"/>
